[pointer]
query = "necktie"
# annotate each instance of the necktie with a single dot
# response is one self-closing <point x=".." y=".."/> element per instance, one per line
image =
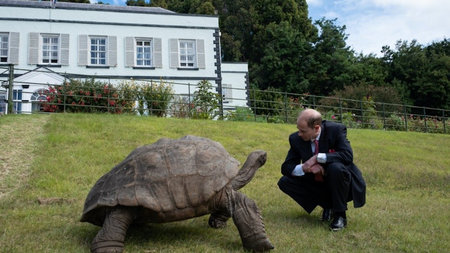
<point x="316" y="144"/>
<point x="318" y="177"/>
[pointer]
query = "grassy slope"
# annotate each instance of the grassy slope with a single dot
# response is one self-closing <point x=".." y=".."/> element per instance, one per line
<point x="407" y="199"/>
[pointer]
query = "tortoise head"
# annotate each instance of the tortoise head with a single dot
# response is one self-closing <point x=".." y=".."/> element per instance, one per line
<point x="254" y="161"/>
<point x="258" y="157"/>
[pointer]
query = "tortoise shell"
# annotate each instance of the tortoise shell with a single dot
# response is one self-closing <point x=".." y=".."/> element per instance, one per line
<point x="170" y="180"/>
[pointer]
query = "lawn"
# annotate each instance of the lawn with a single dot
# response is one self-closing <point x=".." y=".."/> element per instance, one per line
<point x="57" y="158"/>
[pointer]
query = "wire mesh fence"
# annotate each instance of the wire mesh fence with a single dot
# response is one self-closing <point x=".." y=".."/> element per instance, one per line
<point x="202" y="100"/>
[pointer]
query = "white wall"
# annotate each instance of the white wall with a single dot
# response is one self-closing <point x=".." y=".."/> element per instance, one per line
<point x="120" y="24"/>
<point x="122" y="21"/>
<point x="236" y="75"/>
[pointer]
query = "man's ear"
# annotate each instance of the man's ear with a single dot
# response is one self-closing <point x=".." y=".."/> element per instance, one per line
<point x="316" y="128"/>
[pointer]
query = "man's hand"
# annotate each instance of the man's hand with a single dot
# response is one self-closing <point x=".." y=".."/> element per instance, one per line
<point x="317" y="169"/>
<point x="309" y="164"/>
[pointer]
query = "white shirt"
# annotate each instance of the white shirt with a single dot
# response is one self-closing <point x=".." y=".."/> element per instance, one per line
<point x="321" y="158"/>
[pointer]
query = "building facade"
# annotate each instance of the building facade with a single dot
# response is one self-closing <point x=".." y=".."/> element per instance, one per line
<point x="112" y="43"/>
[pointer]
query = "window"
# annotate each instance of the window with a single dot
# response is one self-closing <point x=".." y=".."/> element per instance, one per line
<point x="37" y="98"/>
<point x="17" y="100"/>
<point x="3" y="47"/>
<point x="187" y="53"/>
<point x="144" y="53"/>
<point x="43" y="48"/>
<point x="98" y="51"/>
<point x="227" y="93"/>
<point x="2" y="101"/>
<point x="50" y="49"/>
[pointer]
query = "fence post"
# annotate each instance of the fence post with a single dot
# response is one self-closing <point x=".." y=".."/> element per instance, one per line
<point x="285" y="108"/>
<point x="443" y="121"/>
<point x="220" y="88"/>
<point x="10" y="89"/>
<point x="362" y="113"/>
<point x="153" y="97"/>
<point x="384" y="118"/>
<point x="189" y="100"/>
<point x="425" y="119"/>
<point x="406" y="118"/>
<point x="65" y="94"/>
<point x="340" y="110"/>
<point x="254" y="102"/>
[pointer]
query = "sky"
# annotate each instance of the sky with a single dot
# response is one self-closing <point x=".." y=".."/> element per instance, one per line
<point x="372" y="24"/>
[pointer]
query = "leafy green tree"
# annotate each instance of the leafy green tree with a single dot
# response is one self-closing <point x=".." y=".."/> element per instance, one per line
<point x="137" y="3"/>
<point x="282" y="65"/>
<point x="422" y="73"/>
<point x="73" y="1"/>
<point x="332" y="59"/>
<point x="206" y="102"/>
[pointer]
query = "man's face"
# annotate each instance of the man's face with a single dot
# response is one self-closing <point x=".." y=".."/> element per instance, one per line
<point x="305" y="132"/>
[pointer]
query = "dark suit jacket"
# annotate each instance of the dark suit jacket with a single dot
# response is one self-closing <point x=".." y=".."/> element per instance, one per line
<point x="333" y="141"/>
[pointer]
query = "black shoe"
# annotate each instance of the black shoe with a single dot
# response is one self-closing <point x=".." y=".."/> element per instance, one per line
<point x="326" y="214"/>
<point x="338" y="223"/>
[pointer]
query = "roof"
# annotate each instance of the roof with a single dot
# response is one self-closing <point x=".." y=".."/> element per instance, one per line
<point x="83" y="6"/>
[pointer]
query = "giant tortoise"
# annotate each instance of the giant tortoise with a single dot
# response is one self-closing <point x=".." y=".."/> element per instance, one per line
<point x="173" y="180"/>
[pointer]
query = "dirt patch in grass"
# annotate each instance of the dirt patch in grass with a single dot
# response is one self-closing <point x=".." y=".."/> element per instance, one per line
<point x="19" y="136"/>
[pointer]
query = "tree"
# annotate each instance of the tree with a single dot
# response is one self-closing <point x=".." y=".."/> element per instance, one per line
<point x="331" y="59"/>
<point x="279" y="47"/>
<point x="282" y="65"/>
<point x="73" y="1"/>
<point x="138" y="3"/>
<point x="422" y="73"/>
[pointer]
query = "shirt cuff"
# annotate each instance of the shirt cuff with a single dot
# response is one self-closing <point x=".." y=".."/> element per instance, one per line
<point x="298" y="171"/>
<point x="322" y="158"/>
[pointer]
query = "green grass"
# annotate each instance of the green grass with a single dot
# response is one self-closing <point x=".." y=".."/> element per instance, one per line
<point x="408" y="197"/>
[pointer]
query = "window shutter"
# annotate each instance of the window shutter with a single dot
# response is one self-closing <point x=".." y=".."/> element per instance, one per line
<point x="33" y="49"/>
<point x="82" y="50"/>
<point x="157" y="54"/>
<point x="200" y="54"/>
<point x="112" y="51"/>
<point x="129" y="52"/>
<point x="14" y="39"/>
<point x="173" y="53"/>
<point x="65" y="49"/>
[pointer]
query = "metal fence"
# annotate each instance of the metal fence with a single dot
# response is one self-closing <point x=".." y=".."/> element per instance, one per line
<point x="109" y="95"/>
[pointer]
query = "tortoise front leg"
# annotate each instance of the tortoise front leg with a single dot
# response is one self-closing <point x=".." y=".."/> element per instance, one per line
<point x="110" y="239"/>
<point x="220" y="208"/>
<point x="248" y="220"/>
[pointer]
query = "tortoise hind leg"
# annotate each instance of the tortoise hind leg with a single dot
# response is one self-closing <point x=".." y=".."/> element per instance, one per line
<point x="248" y="220"/>
<point x="110" y="239"/>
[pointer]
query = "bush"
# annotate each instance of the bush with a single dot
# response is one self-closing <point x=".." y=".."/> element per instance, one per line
<point x="84" y="96"/>
<point x="206" y="102"/>
<point x="394" y="122"/>
<point x="180" y="107"/>
<point x="155" y="98"/>
<point x="266" y="102"/>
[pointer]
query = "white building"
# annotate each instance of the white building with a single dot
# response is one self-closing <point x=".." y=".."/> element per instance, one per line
<point x="73" y="40"/>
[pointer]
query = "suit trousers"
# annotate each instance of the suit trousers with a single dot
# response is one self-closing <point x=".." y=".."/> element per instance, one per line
<point x="333" y="193"/>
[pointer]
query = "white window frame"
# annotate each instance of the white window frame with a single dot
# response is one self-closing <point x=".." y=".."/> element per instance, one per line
<point x="187" y="54"/>
<point x="100" y="53"/>
<point x="17" y="100"/>
<point x="50" y="49"/>
<point x="143" y="59"/>
<point x="4" y="47"/>
<point x="37" y="98"/>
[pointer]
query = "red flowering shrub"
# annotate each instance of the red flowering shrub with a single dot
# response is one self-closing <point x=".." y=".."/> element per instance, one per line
<point x="85" y="96"/>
